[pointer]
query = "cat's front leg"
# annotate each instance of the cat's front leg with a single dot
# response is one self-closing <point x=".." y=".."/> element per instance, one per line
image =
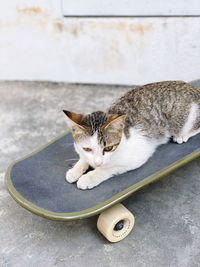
<point x="94" y="178"/>
<point x="76" y="172"/>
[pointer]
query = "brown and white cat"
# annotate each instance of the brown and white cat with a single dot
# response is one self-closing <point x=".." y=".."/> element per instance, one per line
<point x="126" y="136"/>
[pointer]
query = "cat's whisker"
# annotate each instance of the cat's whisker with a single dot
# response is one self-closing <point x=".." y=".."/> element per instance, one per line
<point x="71" y="159"/>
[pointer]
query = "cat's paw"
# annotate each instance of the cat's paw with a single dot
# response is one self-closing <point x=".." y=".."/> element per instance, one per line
<point x="72" y="175"/>
<point x="87" y="181"/>
<point x="180" y="139"/>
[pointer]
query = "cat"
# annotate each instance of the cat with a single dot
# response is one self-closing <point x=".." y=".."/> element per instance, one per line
<point x="127" y="135"/>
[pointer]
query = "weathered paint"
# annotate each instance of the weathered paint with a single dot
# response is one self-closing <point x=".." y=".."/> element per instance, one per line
<point x="34" y="46"/>
<point x="29" y="10"/>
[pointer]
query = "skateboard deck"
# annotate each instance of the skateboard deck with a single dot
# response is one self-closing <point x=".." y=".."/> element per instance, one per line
<point x="37" y="181"/>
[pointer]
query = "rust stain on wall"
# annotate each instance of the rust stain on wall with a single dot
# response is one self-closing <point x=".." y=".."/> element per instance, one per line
<point x="27" y="17"/>
<point x="34" y="16"/>
<point x="75" y="28"/>
<point x="122" y="26"/>
<point x="141" y="29"/>
<point x="58" y="26"/>
<point x="123" y="29"/>
<point x="29" y="10"/>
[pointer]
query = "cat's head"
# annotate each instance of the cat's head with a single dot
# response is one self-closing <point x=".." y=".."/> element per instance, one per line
<point x="96" y="135"/>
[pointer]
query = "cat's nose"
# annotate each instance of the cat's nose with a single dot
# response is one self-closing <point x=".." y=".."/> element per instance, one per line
<point x="98" y="162"/>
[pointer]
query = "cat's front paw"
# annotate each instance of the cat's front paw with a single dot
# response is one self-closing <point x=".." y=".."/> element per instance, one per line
<point x="180" y="139"/>
<point x="87" y="181"/>
<point x="72" y="175"/>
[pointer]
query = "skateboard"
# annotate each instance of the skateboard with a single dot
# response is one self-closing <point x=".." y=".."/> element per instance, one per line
<point x="37" y="182"/>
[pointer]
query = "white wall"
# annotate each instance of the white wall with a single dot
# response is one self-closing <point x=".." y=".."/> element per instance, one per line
<point x="34" y="46"/>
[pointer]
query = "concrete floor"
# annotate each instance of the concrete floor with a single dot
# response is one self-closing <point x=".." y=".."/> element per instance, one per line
<point x="167" y="229"/>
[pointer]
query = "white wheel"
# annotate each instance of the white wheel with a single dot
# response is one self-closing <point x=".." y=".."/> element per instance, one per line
<point x="116" y="223"/>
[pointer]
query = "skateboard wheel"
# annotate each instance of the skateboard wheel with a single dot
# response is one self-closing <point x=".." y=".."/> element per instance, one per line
<point x="115" y="223"/>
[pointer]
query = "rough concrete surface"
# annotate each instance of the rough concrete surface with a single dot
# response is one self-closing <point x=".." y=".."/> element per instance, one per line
<point x="167" y="213"/>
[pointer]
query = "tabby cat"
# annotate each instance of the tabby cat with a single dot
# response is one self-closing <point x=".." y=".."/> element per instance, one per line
<point x="125" y="136"/>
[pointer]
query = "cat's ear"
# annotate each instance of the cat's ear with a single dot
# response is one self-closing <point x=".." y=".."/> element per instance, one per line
<point x="72" y="118"/>
<point x="115" y="123"/>
<point x="73" y="121"/>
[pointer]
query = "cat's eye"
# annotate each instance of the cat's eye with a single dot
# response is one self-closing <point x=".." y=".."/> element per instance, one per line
<point x="108" y="148"/>
<point x="87" y="149"/>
